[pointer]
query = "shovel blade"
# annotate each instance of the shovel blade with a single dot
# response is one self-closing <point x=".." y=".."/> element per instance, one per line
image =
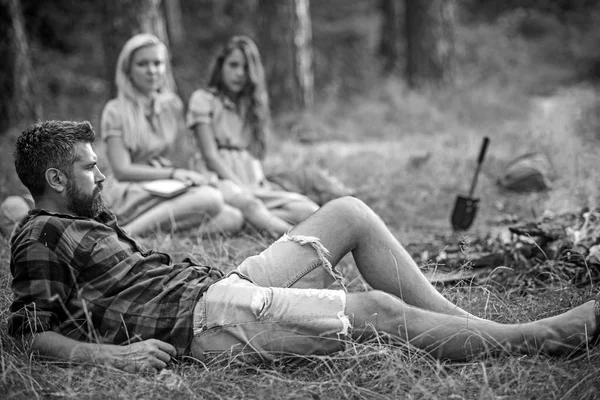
<point x="464" y="213"/>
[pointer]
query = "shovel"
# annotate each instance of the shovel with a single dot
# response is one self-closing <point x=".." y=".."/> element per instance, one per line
<point x="465" y="208"/>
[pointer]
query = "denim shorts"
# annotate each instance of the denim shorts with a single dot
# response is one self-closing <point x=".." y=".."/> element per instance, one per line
<point x="276" y="303"/>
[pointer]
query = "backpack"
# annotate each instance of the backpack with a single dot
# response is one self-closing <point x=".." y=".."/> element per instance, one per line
<point x="531" y="172"/>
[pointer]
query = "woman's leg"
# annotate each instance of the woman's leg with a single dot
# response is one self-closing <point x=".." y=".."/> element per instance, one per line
<point x="457" y="338"/>
<point x="192" y="209"/>
<point x="295" y="211"/>
<point x="229" y="220"/>
<point x="254" y="210"/>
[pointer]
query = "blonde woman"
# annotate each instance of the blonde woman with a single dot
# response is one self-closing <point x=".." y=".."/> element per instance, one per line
<point x="140" y="128"/>
<point x="230" y="120"/>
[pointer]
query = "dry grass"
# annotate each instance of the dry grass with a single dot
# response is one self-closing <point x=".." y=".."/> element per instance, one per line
<point x="371" y="141"/>
<point x="415" y="202"/>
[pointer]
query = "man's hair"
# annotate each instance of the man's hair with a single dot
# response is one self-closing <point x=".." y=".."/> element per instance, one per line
<point x="49" y="144"/>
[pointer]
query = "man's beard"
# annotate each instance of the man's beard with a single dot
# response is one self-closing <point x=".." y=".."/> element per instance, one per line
<point x="82" y="204"/>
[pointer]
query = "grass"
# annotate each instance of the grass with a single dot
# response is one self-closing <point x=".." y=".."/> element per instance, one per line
<point x="415" y="202"/>
<point x="370" y="140"/>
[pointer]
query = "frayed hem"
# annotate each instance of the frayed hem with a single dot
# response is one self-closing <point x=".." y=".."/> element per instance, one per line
<point x="322" y="254"/>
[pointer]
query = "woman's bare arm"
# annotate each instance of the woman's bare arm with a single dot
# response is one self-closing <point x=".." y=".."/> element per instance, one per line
<point x="210" y="153"/>
<point x="125" y="170"/>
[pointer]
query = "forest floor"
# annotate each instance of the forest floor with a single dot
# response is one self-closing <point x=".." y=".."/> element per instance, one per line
<point x="407" y="156"/>
<point x="412" y="181"/>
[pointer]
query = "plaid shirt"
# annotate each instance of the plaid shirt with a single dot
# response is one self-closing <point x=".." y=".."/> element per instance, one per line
<point x="86" y="279"/>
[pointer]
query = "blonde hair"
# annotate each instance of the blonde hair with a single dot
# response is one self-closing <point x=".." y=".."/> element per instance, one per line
<point x="134" y="103"/>
<point x="254" y="99"/>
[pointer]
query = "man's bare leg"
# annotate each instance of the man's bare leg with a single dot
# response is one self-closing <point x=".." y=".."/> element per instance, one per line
<point x="347" y="224"/>
<point x="456" y="338"/>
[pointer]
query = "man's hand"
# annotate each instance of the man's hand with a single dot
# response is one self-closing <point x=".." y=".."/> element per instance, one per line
<point x="147" y="355"/>
<point x="151" y="354"/>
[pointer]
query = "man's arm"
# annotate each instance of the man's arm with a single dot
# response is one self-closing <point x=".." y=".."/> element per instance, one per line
<point x="41" y="282"/>
<point x="138" y="356"/>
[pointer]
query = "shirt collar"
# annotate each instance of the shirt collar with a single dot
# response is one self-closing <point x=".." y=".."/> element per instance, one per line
<point x="104" y="217"/>
<point x="227" y="102"/>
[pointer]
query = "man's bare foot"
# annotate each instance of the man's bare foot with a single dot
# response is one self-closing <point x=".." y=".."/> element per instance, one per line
<point x="572" y="330"/>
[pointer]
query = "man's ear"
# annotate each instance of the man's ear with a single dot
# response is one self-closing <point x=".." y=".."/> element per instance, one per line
<point x="56" y="179"/>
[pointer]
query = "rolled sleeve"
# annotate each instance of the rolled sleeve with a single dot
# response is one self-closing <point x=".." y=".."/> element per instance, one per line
<point x="41" y="284"/>
<point x="111" y="123"/>
<point x="200" y="108"/>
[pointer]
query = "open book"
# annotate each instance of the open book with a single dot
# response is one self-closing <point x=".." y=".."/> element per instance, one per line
<point x="166" y="188"/>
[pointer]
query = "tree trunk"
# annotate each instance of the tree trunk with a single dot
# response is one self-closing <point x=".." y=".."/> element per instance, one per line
<point x="20" y="95"/>
<point x="174" y="19"/>
<point x="122" y="20"/>
<point x="234" y="16"/>
<point x="6" y="67"/>
<point x="285" y="39"/>
<point x="430" y="42"/>
<point x="389" y="44"/>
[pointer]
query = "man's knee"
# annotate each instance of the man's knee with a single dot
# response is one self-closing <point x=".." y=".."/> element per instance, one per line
<point x="348" y="207"/>
<point x="345" y="204"/>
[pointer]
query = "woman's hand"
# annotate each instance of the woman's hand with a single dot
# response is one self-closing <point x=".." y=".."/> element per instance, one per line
<point x="160" y="162"/>
<point x="212" y="178"/>
<point x="194" y="178"/>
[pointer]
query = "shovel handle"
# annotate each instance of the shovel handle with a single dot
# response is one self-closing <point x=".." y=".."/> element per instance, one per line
<point x="484" y="146"/>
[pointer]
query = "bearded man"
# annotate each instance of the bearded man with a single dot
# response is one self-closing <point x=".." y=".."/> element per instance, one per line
<point x="85" y="291"/>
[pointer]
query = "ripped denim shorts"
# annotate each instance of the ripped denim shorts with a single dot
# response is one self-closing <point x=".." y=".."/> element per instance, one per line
<point x="274" y="304"/>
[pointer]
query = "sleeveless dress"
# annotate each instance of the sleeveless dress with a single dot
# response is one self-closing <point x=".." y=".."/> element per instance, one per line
<point x="164" y="126"/>
<point x="233" y="138"/>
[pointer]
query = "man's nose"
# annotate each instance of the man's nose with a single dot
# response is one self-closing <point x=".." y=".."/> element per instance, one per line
<point x="99" y="176"/>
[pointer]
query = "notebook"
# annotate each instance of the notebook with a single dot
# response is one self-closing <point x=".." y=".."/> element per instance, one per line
<point x="166" y="188"/>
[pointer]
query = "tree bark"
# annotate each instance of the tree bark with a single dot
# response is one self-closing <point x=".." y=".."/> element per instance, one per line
<point x="20" y="98"/>
<point x="6" y="68"/>
<point x="430" y="42"/>
<point x="122" y="20"/>
<point x="285" y="39"/>
<point x="174" y="20"/>
<point x="234" y="16"/>
<point x="390" y="41"/>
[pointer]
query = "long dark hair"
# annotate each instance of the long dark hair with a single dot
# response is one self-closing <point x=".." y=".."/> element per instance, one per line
<point x="254" y="100"/>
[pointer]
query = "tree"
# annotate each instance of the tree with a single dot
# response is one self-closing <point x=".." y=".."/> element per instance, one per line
<point x="430" y="41"/>
<point x="174" y="21"/>
<point x="390" y="42"/>
<point x="125" y="18"/>
<point x="238" y="17"/>
<point x="285" y="39"/>
<point x="20" y="97"/>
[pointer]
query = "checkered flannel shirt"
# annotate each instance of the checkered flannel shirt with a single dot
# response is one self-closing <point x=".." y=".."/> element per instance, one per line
<point x="86" y="279"/>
